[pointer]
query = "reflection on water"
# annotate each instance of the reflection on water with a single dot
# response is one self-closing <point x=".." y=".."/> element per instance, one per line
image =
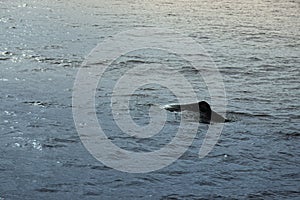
<point x="255" y="46"/>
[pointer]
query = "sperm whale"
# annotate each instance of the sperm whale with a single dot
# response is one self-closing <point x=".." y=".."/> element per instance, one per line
<point x="207" y="115"/>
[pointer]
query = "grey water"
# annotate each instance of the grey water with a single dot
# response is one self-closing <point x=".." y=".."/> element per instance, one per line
<point x="254" y="44"/>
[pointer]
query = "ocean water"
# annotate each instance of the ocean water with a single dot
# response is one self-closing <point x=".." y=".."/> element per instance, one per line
<point x="255" y="46"/>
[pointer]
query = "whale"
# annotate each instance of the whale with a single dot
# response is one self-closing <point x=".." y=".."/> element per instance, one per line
<point x="207" y="115"/>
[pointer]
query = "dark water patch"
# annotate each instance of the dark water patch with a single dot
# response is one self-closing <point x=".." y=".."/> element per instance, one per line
<point x="90" y="193"/>
<point x="98" y="167"/>
<point x="136" y="62"/>
<point x="49" y="145"/>
<point x="191" y="196"/>
<point x="252" y="58"/>
<point x="119" y="137"/>
<point x="73" y="139"/>
<point x="60" y="142"/>
<point x="288" y="135"/>
<point x="171" y="15"/>
<point x="74" y="164"/>
<point x="47" y="190"/>
<point x="294" y="134"/>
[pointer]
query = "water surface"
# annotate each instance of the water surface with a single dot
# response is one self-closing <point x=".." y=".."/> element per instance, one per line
<point x="256" y="47"/>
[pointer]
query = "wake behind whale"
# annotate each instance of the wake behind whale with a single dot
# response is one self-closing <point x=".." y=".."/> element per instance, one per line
<point x="207" y="115"/>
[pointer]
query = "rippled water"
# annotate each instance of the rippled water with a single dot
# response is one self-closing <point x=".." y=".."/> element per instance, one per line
<point x="255" y="45"/>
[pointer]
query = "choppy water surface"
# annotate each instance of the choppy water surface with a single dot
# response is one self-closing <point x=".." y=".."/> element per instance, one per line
<point x="255" y="45"/>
